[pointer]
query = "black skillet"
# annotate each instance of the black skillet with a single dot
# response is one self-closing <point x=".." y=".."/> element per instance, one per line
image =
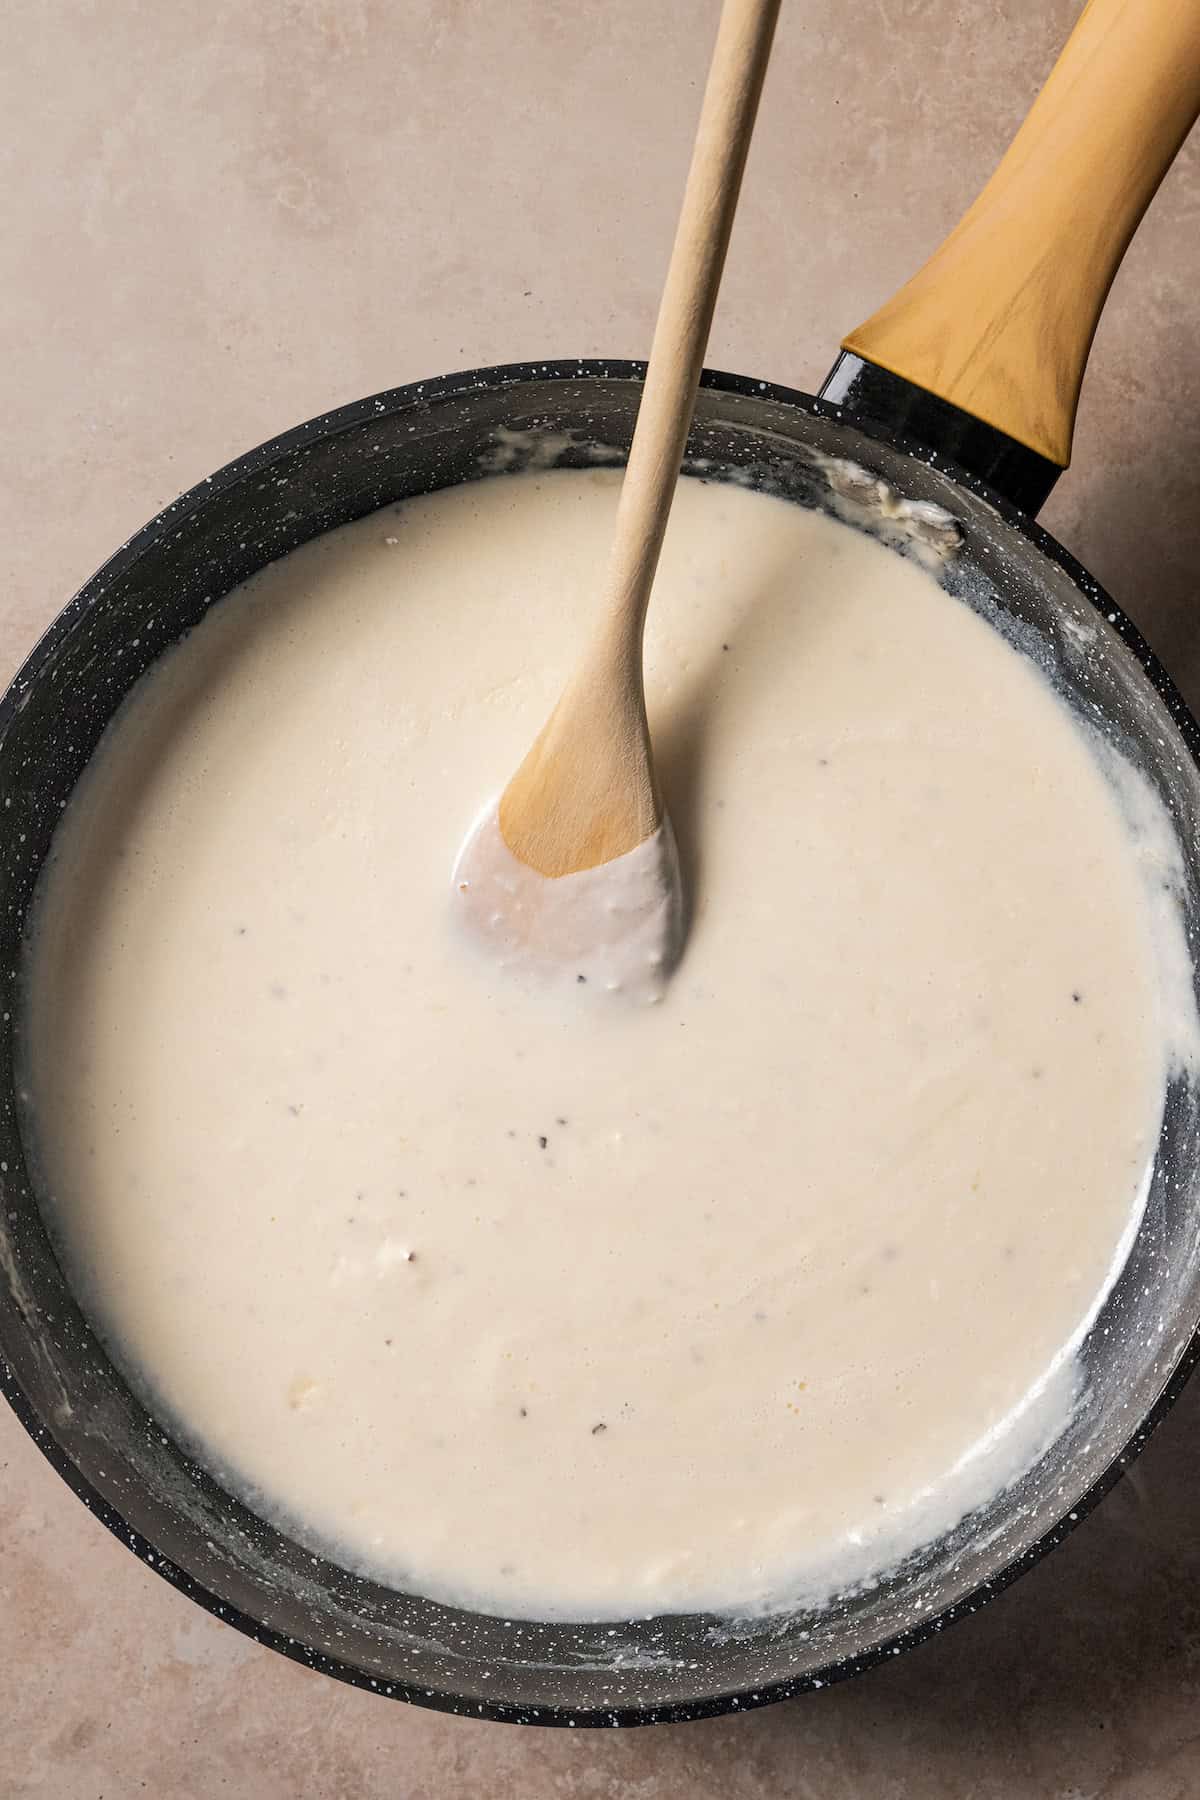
<point x="961" y="392"/>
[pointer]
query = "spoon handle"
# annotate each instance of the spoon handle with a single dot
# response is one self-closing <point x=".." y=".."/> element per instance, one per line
<point x="735" y="79"/>
<point x="587" y="792"/>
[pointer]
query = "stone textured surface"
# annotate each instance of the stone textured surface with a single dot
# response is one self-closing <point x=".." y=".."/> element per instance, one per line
<point x="218" y="219"/>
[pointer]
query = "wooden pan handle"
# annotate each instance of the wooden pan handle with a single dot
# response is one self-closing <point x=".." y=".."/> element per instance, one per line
<point x="1000" y="320"/>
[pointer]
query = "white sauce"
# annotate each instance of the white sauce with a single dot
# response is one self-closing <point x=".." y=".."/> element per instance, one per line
<point x="553" y="1306"/>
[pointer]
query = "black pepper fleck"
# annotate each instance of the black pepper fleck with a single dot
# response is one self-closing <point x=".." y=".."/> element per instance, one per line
<point x="542" y="1142"/>
<point x="597" y="1429"/>
<point x="581" y="978"/>
<point x="1076" y="996"/>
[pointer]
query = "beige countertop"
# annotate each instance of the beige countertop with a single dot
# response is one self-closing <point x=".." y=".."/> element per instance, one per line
<point x="221" y="218"/>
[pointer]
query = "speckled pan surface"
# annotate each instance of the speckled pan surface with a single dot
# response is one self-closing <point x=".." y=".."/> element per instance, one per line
<point x="128" y="1470"/>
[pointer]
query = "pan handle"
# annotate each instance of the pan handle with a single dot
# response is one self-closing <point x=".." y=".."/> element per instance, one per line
<point x="999" y="321"/>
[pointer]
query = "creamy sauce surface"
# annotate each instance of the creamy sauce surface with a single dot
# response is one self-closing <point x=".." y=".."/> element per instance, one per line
<point x="528" y="1298"/>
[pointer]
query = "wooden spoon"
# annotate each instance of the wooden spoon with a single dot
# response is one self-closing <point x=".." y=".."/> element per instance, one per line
<point x="586" y="795"/>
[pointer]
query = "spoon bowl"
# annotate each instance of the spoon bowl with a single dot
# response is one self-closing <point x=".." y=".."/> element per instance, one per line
<point x="584" y="808"/>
